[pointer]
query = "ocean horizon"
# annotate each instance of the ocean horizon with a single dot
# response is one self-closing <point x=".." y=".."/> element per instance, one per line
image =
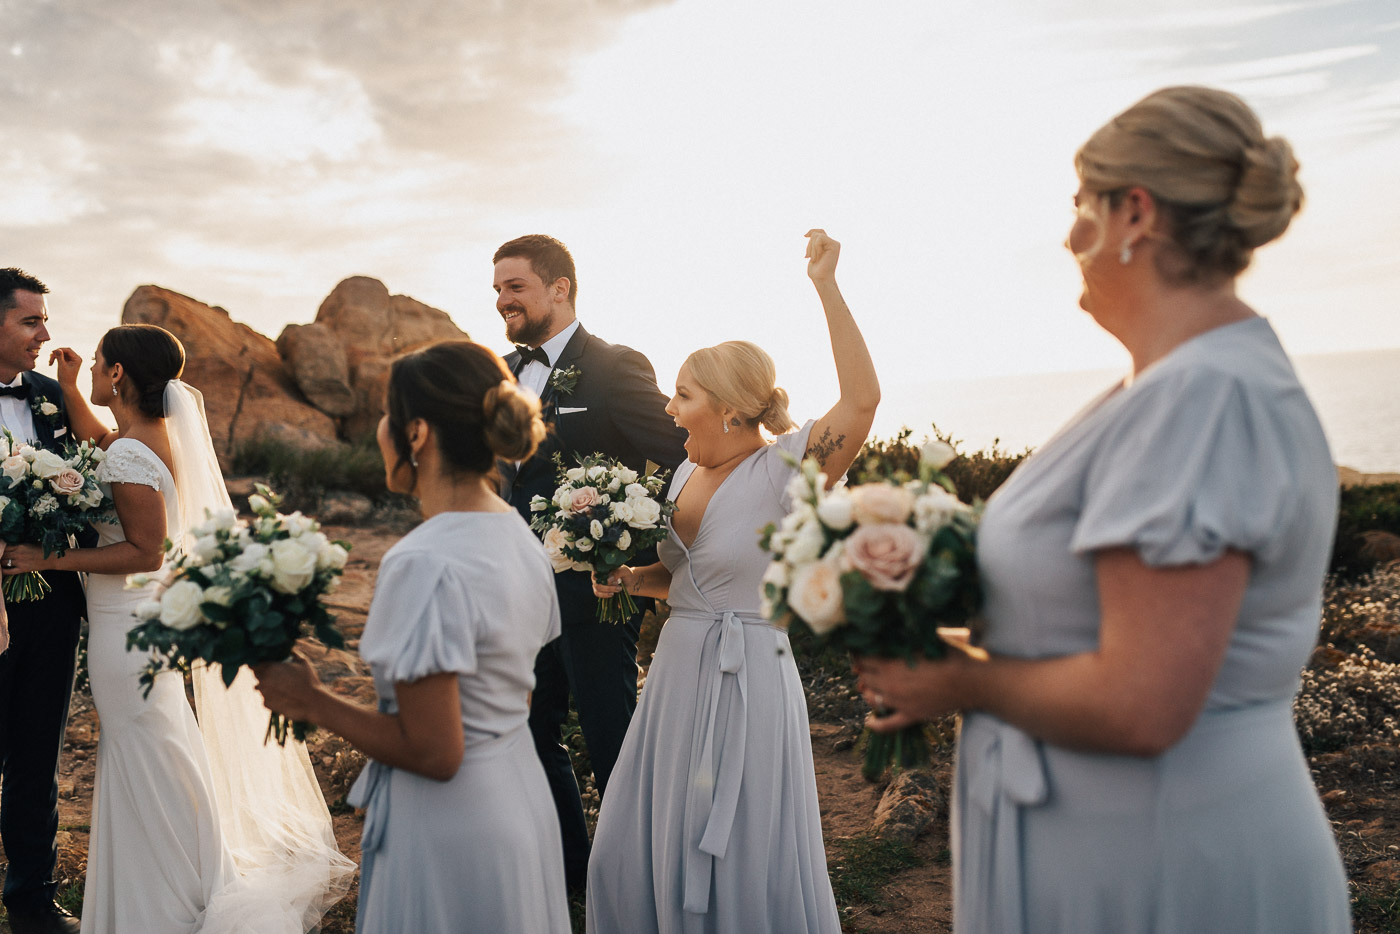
<point x="1356" y="394"/>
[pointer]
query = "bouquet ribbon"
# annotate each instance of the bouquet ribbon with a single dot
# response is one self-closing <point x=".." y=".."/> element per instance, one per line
<point x="1004" y="772"/>
<point x="715" y="773"/>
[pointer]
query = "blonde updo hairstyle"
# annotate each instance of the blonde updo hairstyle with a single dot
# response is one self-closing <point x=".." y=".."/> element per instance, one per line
<point x="741" y="376"/>
<point x="465" y="391"/>
<point x="1225" y="189"/>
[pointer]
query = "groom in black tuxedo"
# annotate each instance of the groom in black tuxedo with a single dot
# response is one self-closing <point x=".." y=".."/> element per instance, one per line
<point x="36" y="673"/>
<point x="597" y="398"/>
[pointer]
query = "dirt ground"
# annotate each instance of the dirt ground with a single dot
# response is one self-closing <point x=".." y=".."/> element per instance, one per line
<point x="1358" y="786"/>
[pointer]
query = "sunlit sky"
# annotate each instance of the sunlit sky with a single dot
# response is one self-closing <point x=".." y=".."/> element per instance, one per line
<point x="252" y="153"/>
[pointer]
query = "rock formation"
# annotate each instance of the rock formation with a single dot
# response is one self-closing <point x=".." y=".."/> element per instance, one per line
<point x="372" y="327"/>
<point x="239" y="371"/>
<point x="317" y="384"/>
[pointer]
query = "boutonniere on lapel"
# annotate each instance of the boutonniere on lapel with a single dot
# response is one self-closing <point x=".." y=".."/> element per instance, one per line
<point x="46" y="410"/>
<point x="563" y="381"/>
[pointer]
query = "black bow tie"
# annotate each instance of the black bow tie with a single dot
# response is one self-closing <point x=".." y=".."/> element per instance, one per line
<point x="21" y="391"/>
<point x="526" y="355"/>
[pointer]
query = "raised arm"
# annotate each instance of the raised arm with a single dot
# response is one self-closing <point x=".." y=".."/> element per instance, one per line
<point x="837" y="436"/>
<point x="81" y="419"/>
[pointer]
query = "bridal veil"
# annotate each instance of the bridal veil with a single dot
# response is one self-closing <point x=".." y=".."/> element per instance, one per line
<point x="272" y="815"/>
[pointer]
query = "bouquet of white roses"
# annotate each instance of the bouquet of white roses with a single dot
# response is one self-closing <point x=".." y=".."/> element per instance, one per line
<point x="602" y="515"/>
<point x="876" y="569"/>
<point x="45" y="497"/>
<point x="241" y="595"/>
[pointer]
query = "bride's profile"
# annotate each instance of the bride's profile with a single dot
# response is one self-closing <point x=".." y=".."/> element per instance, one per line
<point x="196" y="825"/>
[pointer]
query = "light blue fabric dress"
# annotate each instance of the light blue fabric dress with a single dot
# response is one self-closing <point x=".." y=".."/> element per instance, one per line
<point x="470" y="593"/>
<point x="711" y="823"/>
<point x="1215" y="446"/>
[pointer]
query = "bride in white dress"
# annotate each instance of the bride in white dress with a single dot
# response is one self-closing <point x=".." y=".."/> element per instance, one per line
<point x="196" y="827"/>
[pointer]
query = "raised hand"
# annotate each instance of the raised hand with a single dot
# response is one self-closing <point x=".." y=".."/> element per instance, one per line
<point x="69" y="363"/>
<point x="822" y="253"/>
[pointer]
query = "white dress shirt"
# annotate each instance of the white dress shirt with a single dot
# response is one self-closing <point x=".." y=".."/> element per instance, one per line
<point x="16" y="415"/>
<point x="535" y="375"/>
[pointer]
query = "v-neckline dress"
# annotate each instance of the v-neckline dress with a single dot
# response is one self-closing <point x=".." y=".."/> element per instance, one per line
<point x="711" y="823"/>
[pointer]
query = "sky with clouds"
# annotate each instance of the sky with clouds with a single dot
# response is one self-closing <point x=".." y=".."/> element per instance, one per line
<point x="252" y="153"/>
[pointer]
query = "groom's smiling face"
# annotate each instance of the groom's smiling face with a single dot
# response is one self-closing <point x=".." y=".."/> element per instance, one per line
<point x="532" y="311"/>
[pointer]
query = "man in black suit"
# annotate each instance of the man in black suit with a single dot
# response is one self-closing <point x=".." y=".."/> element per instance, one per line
<point x="598" y="398"/>
<point x="36" y="672"/>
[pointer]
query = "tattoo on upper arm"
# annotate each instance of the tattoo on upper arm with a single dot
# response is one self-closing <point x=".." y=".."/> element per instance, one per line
<point x="825" y="446"/>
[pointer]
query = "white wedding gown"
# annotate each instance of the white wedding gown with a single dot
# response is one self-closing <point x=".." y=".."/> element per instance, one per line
<point x="176" y="846"/>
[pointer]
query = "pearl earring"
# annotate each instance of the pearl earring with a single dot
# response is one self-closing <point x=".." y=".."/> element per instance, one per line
<point x="114" y="389"/>
<point x="1125" y="255"/>
<point x="726" y="426"/>
<point x="414" y="461"/>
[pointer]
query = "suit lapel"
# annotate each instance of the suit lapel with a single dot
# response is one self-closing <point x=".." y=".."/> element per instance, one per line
<point x="43" y="430"/>
<point x="572" y="351"/>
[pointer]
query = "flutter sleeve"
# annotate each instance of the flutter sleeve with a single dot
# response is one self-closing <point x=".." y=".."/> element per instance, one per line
<point x="421" y="621"/>
<point x="1196" y="463"/>
<point x="791" y="446"/>
<point x="127" y="463"/>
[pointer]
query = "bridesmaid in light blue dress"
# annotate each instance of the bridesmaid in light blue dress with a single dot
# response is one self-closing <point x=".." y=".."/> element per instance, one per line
<point x="460" y="832"/>
<point x="711" y="823"/>
<point x="1128" y="762"/>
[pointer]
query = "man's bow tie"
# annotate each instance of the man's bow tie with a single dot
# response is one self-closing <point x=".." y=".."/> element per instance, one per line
<point x="21" y="391"/>
<point x="526" y="355"/>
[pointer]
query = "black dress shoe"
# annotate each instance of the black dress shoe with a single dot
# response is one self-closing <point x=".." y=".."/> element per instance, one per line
<point x="50" y="919"/>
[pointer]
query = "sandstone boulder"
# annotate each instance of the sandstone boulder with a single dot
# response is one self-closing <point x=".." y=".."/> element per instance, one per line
<point x="315" y="359"/>
<point x="239" y="371"/>
<point x="373" y="327"/>
<point x="910" y="805"/>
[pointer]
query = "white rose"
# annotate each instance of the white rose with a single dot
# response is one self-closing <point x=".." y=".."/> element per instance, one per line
<point x="48" y="408"/>
<point x="806" y="545"/>
<point x="298" y="525"/>
<point x="219" y="594"/>
<point x="92" y="498"/>
<point x="622" y="512"/>
<point x="936" y="454"/>
<point x="148" y="609"/>
<point x="614" y="485"/>
<point x="554" y="542"/>
<point x="624" y="541"/>
<point x="636" y="491"/>
<point x="225" y="519"/>
<point x="584" y="544"/>
<point x="47" y="464"/>
<point x="801" y="514"/>
<point x="538" y="504"/>
<point x="14" y="468"/>
<point x="595" y="529"/>
<point x="799" y="489"/>
<point x="250" y="559"/>
<point x="596" y="471"/>
<point x="206" y="548"/>
<point x="293" y="565"/>
<point x="934" y="508"/>
<point x="645" y="513"/>
<point x="179" y="605"/>
<point x="331" y="556"/>
<point x="778" y="573"/>
<point x="836" y="510"/>
<point x="627" y="475"/>
<point x="574" y="474"/>
<point x="815" y="595"/>
<point x="564" y="498"/>
<point x="258" y="503"/>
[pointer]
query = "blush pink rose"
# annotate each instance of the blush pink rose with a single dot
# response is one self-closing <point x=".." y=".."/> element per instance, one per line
<point x="886" y="555"/>
<point x="67" y="481"/>
<point x="584" y="498"/>
<point x="879" y="502"/>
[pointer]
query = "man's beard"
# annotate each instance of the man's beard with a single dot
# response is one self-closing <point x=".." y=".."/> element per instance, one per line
<point x="531" y="333"/>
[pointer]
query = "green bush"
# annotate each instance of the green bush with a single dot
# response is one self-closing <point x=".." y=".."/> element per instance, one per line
<point x="975" y="475"/>
<point x="303" y="476"/>
<point x="1363" y="509"/>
